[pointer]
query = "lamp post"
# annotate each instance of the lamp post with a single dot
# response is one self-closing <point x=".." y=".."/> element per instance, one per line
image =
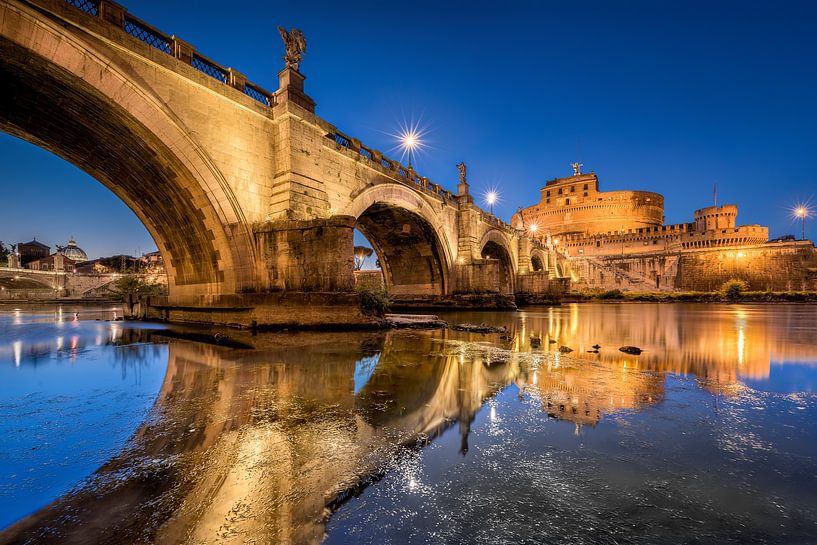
<point x="409" y="143"/>
<point x="802" y="212"/>
<point x="490" y="198"/>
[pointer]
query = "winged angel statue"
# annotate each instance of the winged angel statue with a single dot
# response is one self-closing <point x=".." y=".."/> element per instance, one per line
<point x="295" y="44"/>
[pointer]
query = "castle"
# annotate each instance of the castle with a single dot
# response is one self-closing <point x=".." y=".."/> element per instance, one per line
<point x="618" y="239"/>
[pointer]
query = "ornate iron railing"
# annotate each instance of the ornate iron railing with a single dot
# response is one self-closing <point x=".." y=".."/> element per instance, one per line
<point x="88" y="6"/>
<point x="366" y="153"/>
<point x="342" y="140"/>
<point x="167" y="44"/>
<point x="253" y="92"/>
<point x="141" y="31"/>
<point x="210" y="68"/>
<point x="385" y="163"/>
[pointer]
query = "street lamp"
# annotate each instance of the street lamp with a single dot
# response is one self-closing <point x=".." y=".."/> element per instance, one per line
<point x="410" y="140"/>
<point x="491" y="197"/>
<point x="802" y="212"/>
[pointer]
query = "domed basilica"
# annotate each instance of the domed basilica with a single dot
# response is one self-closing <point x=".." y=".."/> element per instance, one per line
<point x="74" y="252"/>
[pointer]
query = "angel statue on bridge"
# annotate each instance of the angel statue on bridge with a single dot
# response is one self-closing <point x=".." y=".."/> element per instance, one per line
<point x="295" y="45"/>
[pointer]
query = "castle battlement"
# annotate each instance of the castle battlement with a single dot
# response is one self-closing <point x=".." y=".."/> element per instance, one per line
<point x="575" y="205"/>
<point x="583" y="221"/>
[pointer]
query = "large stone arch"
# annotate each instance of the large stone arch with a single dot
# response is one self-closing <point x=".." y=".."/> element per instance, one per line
<point x="60" y="92"/>
<point x="409" y="237"/>
<point x="497" y="245"/>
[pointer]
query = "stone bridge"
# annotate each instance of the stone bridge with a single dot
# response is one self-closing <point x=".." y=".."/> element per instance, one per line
<point x="251" y="197"/>
<point x="27" y="284"/>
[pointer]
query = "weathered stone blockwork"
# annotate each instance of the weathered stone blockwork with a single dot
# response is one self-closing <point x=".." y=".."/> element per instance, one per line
<point x="307" y="255"/>
<point x="772" y="266"/>
<point x="777" y="267"/>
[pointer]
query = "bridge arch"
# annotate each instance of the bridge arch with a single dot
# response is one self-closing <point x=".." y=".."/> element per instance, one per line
<point x="409" y="237"/>
<point x="497" y="245"/>
<point x="538" y="260"/>
<point x="60" y="93"/>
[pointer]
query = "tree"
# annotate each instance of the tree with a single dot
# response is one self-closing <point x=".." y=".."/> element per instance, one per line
<point x="361" y="253"/>
<point x="129" y="288"/>
<point x="132" y="286"/>
<point x="4" y="254"/>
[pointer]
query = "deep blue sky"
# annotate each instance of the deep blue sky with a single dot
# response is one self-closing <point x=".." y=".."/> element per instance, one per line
<point x="659" y="96"/>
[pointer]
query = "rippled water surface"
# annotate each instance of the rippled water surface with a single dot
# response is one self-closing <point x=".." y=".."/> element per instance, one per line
<point x="123" y="433"/>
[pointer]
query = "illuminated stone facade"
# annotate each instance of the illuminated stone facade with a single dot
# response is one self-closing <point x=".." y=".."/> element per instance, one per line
<point x="575" y="205"/>
<point x="617" y="240"/>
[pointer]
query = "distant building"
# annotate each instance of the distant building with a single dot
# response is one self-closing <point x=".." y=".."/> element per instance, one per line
<point x="54" y="262"/>
<point x="74" y="252"/>
<point x="31" y="251"/>
<point x="153" y="260"/>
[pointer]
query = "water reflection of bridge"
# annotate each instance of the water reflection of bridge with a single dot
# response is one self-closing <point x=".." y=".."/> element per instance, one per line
<point x="254" y="445"/>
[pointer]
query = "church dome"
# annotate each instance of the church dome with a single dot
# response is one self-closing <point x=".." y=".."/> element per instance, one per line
<point x="74" y="252"/>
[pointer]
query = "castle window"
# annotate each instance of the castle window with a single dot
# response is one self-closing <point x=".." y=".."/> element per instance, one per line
<point x="560" y="191"/>
<point x="547" y="193"/>
<point x="572" y="188"/>
<point x="567" y="201"/>
<point x="585" y="193"/>
<point x="548" y="201"/>
<point x="585" y="187"/>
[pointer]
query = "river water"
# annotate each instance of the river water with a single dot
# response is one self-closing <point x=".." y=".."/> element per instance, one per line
<point x="117" y="432"/>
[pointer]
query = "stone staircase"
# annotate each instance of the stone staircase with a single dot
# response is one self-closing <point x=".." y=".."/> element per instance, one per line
<point x="625" y="280"/>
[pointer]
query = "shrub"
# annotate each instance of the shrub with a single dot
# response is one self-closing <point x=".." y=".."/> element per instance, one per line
<point x="372" y="300"/>
<point x="611" y="294"/>
<point x="734" y="289"/>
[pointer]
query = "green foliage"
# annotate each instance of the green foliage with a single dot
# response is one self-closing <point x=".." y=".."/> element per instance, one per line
<point x="133" y="285"/>
<point x="4" y="254"/>
<point x="734" y="289"/>
<point x="373" y="301"/>
<point x="611" y="294"/>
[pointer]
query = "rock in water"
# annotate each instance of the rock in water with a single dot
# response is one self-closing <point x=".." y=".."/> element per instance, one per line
<point x="596" y="346"/>
<point x="565" y="349"/>
<point x="535" y="342"/>
<point x="634" y="350"/>
<point x="481" y="328"/>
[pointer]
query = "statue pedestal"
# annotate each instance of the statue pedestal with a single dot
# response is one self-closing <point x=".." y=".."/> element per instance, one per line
<point x="292" y="89"/>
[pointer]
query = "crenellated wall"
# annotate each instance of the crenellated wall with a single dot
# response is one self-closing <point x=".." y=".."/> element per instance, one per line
<point x="575" y="205"/>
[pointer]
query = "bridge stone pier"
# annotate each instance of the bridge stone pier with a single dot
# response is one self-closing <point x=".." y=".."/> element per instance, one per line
<point x="250" y="196"/>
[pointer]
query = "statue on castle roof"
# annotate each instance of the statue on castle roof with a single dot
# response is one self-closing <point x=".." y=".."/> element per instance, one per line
<point x="462" y="169"/>
<point x="577" y="168"/>
<point x="295" y="44"/>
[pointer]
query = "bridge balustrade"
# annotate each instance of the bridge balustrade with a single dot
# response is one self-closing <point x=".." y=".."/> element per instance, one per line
<point x="88" y="6"/>
<point x="146" y="33"/>
<point x="258" y="94"/>
<point x="205" y="65"/>
<point x="117" y="15"/>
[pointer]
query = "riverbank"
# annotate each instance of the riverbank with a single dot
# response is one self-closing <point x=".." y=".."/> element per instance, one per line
<point x="692" y="297"/>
